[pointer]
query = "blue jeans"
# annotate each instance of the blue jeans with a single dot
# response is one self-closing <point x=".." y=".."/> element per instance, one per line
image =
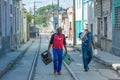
<point x="87" y="56"/>
<point x="57" y="59"/>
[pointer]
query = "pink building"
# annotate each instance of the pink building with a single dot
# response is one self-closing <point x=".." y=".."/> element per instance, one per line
<point x="68" y="23"/>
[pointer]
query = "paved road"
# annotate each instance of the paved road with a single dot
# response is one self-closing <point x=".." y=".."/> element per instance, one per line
<point x="97" y="71"/>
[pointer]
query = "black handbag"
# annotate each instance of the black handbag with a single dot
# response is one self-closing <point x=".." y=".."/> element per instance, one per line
<point x="46" y="57"/>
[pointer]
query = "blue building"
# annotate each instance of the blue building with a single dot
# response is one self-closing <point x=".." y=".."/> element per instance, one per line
<point x="79" y="21"/>
<point x="10" y="25"/>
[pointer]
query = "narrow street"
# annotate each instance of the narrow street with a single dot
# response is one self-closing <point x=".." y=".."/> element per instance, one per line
<point x="26" y="27"/>
<point x="42" y="72"/>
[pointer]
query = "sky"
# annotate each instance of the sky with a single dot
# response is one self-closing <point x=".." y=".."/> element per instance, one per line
<point x="30" y="3"/>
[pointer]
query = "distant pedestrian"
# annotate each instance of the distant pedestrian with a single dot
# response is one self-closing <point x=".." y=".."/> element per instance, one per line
<point x="57" y="42"/>
<point x="87" y="43"/>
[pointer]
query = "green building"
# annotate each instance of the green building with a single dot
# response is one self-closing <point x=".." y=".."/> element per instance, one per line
<point x="116" y="27"/>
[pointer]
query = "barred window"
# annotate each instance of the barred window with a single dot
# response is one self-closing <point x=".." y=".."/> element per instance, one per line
<point x="117" y="17"/>
<point x="105" y="26"/>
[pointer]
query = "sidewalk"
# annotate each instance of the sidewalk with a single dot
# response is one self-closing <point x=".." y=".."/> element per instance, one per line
<point x="108" y="59"/>
<point x="105" y="58"/>
<point x="9" y="59"/>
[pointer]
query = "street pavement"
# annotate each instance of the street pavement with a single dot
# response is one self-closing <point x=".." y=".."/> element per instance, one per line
<point x="21" y="70"/>
<point x="103" y="57"/>
<point x="97" y="71"/>
<point x="9" y="59"/>
<point x="45" y="72"/>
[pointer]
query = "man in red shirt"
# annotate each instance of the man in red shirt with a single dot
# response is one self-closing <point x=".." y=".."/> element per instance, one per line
<point x="57" y="42"/>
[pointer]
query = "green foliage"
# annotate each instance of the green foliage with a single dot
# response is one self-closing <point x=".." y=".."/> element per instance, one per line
<point x="44" y="13"/>
<point x="46" y="9"/>
<point x="29" y="17"/>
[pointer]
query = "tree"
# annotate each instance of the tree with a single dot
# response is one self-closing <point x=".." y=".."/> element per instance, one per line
<point x="44" y="13"/>
<point x="29" y="17"/>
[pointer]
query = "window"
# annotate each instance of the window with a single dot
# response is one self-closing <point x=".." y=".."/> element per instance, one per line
<point x="11" y="30"/>
<point x="0" y="27"/>
<point x="78" y="4"/>
<point x="105" y="26"/>
<point x="5" y="17"/>
<point x="117" y="17"/>
<point x="11" y="9"/>
<point x="91" y="25"/>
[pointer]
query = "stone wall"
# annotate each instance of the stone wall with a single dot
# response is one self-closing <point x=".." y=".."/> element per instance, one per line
<point x="116" y="42"/>
<point x="102" y="11"/>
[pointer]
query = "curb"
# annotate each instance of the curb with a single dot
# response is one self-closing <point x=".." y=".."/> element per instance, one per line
<point x="71" y="72"/>
<point x="13" y="62"/>
<point x="108" y="64"/>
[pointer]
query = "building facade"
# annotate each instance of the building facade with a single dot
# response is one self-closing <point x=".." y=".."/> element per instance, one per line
<point x="116" y="27"/>
<point x="10" y="25"/>
<point x="79" y="19"/>
<point x="70" y="23"/>
<point x="25" y="27"/>
<point x="84" y="14"/>
<point x="88" y="14"/>
<point x="103" y="24"/>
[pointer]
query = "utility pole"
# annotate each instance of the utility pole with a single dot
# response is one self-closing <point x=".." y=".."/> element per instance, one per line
<point x="34" y="10"/>
<point x="53" y="14"/>
<point x="58" y="13"/>
<point x="74" y="23"/>
<point x="82" y="13"/>
<point x="34" y="13"/>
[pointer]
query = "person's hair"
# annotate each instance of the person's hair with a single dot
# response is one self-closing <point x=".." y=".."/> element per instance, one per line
<point x="59" y="28"/>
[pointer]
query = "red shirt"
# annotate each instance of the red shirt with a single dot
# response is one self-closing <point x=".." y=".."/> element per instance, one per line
<point x="58" y="40"/>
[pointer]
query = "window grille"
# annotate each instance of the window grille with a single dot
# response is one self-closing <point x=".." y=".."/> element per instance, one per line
<point x="117" y="17"/>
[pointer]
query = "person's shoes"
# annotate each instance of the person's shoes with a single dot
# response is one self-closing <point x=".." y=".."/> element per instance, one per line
<point x="86" y="70"/>
<point x="59" y="73"/>
<point x="55" y="72"/>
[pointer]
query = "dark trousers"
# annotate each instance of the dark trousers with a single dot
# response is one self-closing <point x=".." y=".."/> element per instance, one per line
<point x="87" y="56"/>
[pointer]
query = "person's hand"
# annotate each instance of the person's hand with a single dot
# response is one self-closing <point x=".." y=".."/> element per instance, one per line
<point x="48" y="52"/>
<point x="84" y="35"/>
<point x="86" y="32"/>
<point x="94" y="47"/>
